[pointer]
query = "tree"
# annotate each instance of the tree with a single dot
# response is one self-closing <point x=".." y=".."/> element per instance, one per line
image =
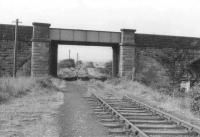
<point x="108" y="67"/>
<point x="67" y="63"/>
<point x="175" y="60"/>
<point x="90" y="65"/>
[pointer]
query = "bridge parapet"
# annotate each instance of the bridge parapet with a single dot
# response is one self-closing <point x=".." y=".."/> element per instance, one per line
<point x="85" y="36"/>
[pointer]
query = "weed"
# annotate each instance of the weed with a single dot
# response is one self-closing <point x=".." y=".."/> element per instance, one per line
<point x="178" y="105"/>
<point x="15" y="87"/>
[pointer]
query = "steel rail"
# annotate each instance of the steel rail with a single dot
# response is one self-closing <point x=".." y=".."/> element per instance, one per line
<point x="168" y="116"/>
<point x="128" y="124"/>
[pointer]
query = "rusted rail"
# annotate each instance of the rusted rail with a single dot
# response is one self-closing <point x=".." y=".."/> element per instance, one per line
<point x="168" y="116"/>
<point x="140" y="119"/>
<point x="133" y="129"/>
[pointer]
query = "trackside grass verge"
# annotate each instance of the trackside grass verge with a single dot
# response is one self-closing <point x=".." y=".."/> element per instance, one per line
<point x="29" y="107"/>
<point x="17" y="87"/>
<point x="180" y="106"/>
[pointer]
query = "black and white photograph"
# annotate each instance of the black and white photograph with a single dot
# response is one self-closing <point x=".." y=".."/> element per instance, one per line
<point x="99" y="68"/>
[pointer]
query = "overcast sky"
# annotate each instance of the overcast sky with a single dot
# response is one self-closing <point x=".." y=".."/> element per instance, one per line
<point x="168" y="17"/>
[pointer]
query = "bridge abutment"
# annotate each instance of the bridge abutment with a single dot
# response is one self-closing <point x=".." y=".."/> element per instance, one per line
<point x="53" y="51"/>
<point x="127" y="54"/>
<point x="40" y="50"/>
<point x="115" y="62"/>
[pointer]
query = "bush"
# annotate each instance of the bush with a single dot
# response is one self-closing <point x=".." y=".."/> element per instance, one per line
<point x="195" y="96"/>
<point x="151" y="73"/>
<point x="108" y="67"/>
<point x="45" y="83"/>
<point x="90" y="65"/>
<point x="67" y="63"/>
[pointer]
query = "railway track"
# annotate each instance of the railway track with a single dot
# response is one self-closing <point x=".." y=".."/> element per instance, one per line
<point x="130" y="117"/>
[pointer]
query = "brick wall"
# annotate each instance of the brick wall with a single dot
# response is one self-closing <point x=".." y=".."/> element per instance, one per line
<point x="23" y="50"/>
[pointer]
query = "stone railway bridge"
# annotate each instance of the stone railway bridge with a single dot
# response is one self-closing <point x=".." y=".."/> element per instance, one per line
<point x="145" y="57"/>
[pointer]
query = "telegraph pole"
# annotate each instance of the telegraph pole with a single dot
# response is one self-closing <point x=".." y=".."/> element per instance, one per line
<point x="77" y="66"/>
<point x="77" y="59"/>
<point x="15" y="48"/>
<point x="69" y="54"/>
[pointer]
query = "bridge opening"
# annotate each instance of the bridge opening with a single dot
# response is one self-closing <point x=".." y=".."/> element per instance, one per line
<point x="83" y="61"/>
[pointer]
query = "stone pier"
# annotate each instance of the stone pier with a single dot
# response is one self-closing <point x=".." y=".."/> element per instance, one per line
<point x="127" y="54"/>
<point x="40" y="50"/>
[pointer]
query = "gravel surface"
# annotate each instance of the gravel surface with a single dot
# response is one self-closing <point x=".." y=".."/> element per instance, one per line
<point x="76" y="118"/>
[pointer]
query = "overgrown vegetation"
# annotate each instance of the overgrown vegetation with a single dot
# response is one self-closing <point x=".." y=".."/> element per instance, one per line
<point x="195" y="99"/>
<point x="108" y="68"/>
<point x="165" y="69"/>
<point x="151" y="73"/>
<point x="17" y="87"/>
<point x="32" y="105"/>
<point x="180" y="106"/>
<point x="66" y="63"/>
<point x="185" y="103"/>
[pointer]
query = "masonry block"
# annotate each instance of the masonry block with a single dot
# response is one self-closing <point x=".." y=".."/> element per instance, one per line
<point x="40" y="50"/>
<point x="127" y="54"/>
<point x="53" y="51"/>
<point x="115" y="64"/>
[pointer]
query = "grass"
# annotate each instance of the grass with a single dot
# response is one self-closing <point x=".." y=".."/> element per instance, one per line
<point x="29" y="107"/>
<point x="17" y="87"/>
<point x="176" y="105"/>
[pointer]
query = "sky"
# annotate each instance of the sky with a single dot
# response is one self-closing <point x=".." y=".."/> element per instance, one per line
<point x="85" y="53"/>
<point x="166" y="17"/>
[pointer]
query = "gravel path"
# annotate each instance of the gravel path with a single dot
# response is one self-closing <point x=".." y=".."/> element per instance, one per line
<point x="75" y="118"/>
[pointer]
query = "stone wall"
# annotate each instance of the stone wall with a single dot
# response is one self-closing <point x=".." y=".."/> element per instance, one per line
<point x="7" y="34"/>
<point x="165" y="66"/>
<point x="153" y="58"/>
<point x="164" y="41"/>
<point x="165" y="60"/>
